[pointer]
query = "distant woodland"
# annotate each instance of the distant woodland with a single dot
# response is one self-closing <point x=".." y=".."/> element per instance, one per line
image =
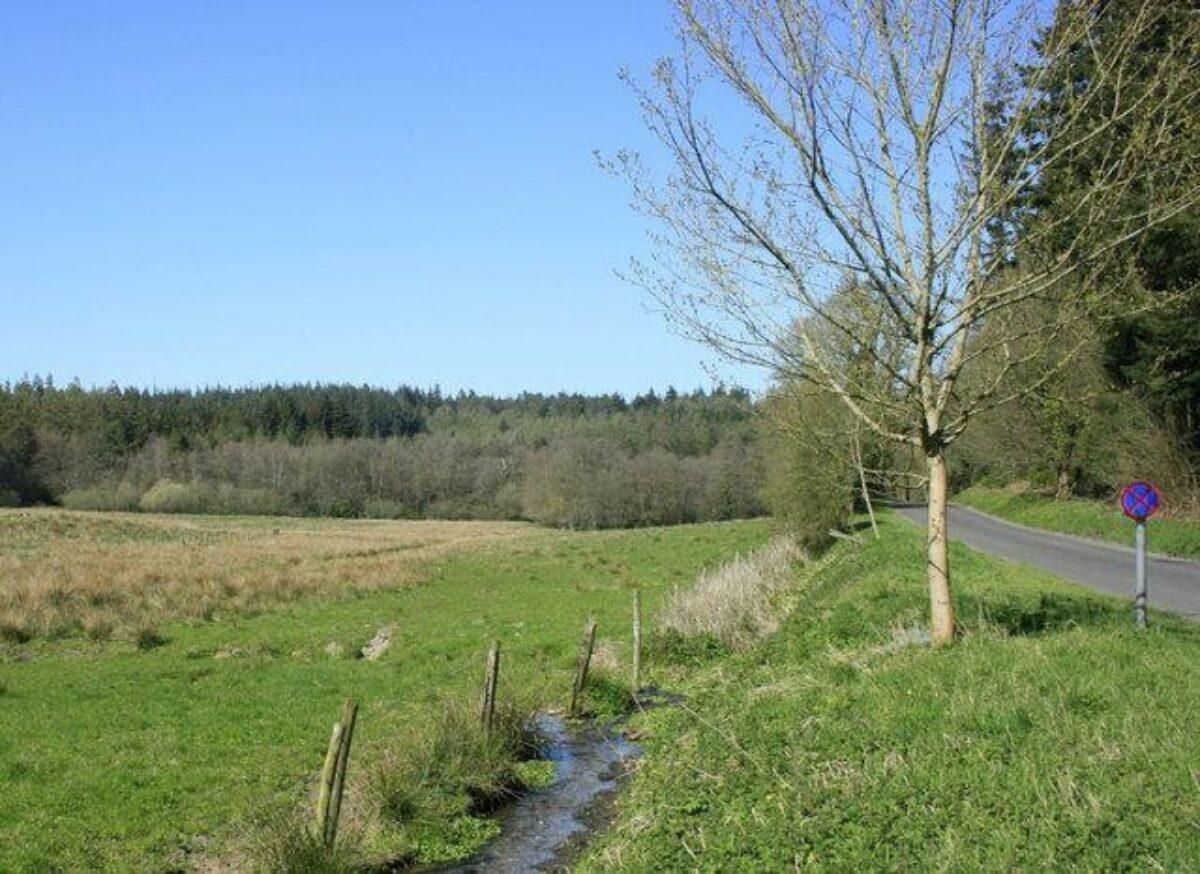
<point x="564" y="460"/>
<point x="340" y="450"/>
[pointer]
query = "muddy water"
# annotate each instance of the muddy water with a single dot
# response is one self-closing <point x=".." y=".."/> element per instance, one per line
<point x="541" y="824"/>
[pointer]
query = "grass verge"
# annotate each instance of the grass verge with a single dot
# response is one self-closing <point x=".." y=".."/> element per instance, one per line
<point x="1052" y="736"/>
<point x="1101" y="521"/>
<point x="168" y="750"/>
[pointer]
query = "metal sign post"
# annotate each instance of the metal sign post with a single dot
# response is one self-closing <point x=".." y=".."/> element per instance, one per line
<point x="1139" y="502"/>
<point x="1139" y="591"/>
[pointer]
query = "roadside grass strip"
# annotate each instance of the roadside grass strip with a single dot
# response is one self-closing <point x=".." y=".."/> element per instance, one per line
<point x="1052" y="736"/>
<point x="1094" y="519"/>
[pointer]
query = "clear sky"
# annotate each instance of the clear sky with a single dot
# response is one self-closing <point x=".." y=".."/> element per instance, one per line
<point x="391" y="192"/>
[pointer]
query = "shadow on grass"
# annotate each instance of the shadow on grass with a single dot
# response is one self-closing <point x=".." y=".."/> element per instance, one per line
<point x="1049" y="612"/>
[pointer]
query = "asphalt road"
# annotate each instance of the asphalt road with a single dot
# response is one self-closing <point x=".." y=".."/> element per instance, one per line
<point x="1172" y="583"/>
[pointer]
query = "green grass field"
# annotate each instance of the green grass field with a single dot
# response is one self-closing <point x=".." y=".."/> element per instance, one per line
<point x="115" y="757"/>
<point x="1102" y="521"/>
<point x="1052" y="736"/>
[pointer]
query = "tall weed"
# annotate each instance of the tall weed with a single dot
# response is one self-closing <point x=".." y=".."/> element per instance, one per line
<point x="735" y="602"/>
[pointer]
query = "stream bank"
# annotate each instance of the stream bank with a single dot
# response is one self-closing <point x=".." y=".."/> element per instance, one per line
<point x="543" y="827"/>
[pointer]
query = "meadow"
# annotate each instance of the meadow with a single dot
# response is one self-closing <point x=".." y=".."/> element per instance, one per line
<point x="122" y="574"/>
<point x="814" y="727"/>
<point x="185" y="728"/>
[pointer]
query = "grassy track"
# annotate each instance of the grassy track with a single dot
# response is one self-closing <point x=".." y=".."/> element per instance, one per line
<point x="1052" y="736"/>
<point x="1102" y="521"/>
<point x="119" y="758"/>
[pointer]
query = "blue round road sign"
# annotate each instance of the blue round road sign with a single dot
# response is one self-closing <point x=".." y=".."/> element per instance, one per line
<point x="1140" y="501"/>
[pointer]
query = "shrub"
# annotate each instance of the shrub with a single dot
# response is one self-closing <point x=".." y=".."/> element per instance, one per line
<point x="121" y="496"/>
<point x="811" y="485"/>
<point x="231" y="500"/>
<point x="166" y="496"/>
<point x="382" y="508"/>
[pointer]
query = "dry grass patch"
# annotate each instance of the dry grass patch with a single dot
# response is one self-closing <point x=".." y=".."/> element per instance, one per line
<point x="64" y="573"/>
<point x="735" y="602"/>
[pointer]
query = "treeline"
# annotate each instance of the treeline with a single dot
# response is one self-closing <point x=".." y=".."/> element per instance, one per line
<point x="565" y="460"/>
<point x="1117" y="394"/>
<point x="121" y="420"/>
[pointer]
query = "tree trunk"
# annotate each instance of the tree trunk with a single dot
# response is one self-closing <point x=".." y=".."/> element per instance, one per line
<point x="941" y="606"/>
<point x="1064" y="489"/>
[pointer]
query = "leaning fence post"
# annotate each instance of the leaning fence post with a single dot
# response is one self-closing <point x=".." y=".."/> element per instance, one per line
<point x="333" y="775"/>
<point x="637" y="641"/>
<point x="326" y="789"/>
<point x="487" y="717"/>
<point x="585" y="658"/>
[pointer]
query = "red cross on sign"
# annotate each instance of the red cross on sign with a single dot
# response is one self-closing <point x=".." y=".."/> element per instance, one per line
<point x="1140" y="501"/>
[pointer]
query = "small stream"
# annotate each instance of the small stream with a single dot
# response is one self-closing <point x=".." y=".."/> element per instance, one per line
<point x="540" y="825"/>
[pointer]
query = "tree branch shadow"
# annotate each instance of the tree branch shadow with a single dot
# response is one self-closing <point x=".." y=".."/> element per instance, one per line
<point x="1048" y="612"/>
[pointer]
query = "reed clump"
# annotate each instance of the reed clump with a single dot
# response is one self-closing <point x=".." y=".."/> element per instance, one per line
<point x="734" y="604"/>
<point x="447" y="770"/>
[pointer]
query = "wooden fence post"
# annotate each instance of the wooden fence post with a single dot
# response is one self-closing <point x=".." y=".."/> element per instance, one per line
<point x="326" y="788"/>
<point x="333" y="775"/>
<point x="637" y="642"/>
<point x="487" y="717"/>
<point x="585" y="659"/>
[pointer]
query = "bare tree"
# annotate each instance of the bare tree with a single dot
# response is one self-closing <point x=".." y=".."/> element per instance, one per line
<point x="812" y="139"/>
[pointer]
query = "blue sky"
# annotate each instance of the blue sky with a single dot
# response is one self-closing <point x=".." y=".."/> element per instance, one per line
<point x="393" y="192"/>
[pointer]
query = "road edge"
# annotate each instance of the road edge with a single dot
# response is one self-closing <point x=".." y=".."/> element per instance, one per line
<point x="1061" y="535"/>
